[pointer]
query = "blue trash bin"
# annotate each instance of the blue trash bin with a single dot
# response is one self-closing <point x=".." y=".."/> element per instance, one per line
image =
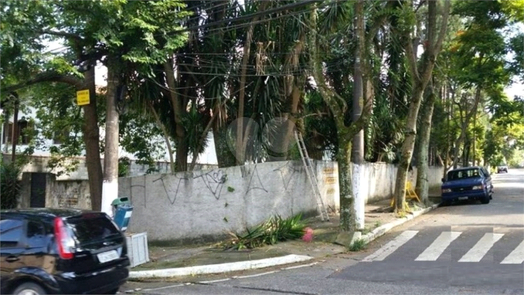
<point x="123" y="215"/>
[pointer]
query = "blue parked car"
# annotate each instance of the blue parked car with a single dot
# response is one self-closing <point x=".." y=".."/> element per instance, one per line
<point x="469" y="183"/>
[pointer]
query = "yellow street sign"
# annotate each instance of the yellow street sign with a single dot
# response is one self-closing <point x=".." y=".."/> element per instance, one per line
<point x="82" y="97"/>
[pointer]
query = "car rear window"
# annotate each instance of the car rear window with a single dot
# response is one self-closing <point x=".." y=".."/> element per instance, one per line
<point x="460" y="174"/>
<point x="91" y="227"/>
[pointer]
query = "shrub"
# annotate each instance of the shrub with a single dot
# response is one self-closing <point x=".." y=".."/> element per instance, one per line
<point x="357" y="245"/>
<point x="9" y="185"/>
<point x="274" y="230"/>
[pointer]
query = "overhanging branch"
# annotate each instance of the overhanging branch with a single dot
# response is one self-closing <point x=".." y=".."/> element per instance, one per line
<point x="47" y="77"/>
<point x="62" y="34"/>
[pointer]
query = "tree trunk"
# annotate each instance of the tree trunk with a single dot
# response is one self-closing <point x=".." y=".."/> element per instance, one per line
<point x="225" y="157"/>
<point x="464" y="140"/>
<point x="345" y="134"/>
<point x="14" y="132"/>
<point x="420" y="78"/>
<point x="110" y="183"/>
<point x="292" y="95"/>
<point x="347" y="210"/>
<point x="357" y="152"/>
<point x="474" y="139"/>
<point x="283" y="134"/>
<point x="92" y="142"/>
<point x="407" y="148"/>
<point x="240" y="150"/>
<point x="424" y="134"/>
<point x="166" y="136"/>
<point x="179" y="109"/>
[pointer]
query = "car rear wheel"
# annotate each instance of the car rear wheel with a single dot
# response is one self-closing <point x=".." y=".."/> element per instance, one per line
<point x="445" y="203"/>
<point x="485" y="200"/>
<point x="29" y="289"/>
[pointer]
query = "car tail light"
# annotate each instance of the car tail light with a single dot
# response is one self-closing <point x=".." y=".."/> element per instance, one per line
<point x="64" y="240"/>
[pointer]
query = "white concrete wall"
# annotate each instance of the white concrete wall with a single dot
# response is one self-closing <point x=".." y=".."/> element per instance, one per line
<point x="215" y="202"/>
<point x="377" y="181"/>
<point x="435" y="175"/>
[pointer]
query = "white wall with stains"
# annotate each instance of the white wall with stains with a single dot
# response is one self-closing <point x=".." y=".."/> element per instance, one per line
<point x="211" y="203"/>
<point x="214" y="202"/>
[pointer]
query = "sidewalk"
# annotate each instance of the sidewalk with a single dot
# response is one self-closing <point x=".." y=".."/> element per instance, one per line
<point x="190" y="260"/>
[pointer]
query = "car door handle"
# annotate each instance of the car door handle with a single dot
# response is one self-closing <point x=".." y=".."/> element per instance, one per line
<point x="12" y="259"/>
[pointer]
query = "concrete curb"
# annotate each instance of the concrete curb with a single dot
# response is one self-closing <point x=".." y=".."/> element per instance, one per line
<point x="262" y="263"/>
<point x="381" y="230"/>
<point x="219" y="268"/>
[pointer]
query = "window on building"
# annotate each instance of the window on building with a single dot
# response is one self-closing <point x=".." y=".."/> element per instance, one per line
<point x="60" y="137"/>
<point x="24" y="132"/>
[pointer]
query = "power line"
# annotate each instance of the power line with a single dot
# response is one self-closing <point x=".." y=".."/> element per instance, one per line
<point x="251" y="16"/>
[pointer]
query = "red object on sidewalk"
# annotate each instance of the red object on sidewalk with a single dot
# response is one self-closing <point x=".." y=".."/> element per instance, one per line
<point x="308" y="235"/>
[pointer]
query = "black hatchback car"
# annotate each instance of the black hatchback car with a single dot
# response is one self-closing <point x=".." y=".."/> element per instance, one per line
<point x="61" y="251"/>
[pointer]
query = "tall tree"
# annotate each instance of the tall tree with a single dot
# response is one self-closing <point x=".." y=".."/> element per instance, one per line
<point x="420" y="75"/>
<point x="345" y="132"/>
<point x="90" y="38"/>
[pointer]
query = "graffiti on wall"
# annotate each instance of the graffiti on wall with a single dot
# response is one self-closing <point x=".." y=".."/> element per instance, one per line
<point x="143" y="186"/>
<point x="287" y="173"/>
<point x="214" y="181"/>
<point x="255" y="183"/>
<point x="170" y="189"/>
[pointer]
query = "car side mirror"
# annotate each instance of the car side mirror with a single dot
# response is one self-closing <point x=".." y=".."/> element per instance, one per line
<point x="443" y="180"/>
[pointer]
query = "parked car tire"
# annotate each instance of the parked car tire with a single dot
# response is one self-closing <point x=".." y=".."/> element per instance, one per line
<point x="112" y="292"/>
<point x="29" y="289"/>
<point x="485" y="200"/>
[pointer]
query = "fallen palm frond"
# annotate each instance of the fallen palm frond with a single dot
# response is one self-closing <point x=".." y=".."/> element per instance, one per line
<point x="274" y="230"/>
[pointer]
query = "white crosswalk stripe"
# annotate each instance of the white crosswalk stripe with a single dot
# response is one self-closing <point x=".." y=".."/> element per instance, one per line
<point x="391" y="247"/>
<point x="482" y="247"/>
<point x="516" y="256"/>
<point x="438" y="246"/>
<point x="433" y="252"/>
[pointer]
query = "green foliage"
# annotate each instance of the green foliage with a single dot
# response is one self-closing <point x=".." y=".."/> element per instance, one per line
<point x="320" y="130"/>
<point x="141" y="137"/>
<point x="124" y="165"/>
<point x="194" y="123"/>
<point x="138" y="33"/>
<point x="514" y="9"/>
<point x="517" y="62"/>
<point x="270" y="232"/>
<point x="10" y="186"/>
<point x="357" y="245"/>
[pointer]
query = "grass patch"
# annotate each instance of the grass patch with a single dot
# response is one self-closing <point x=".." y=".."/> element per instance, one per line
<point x="357" y="245"/>
<point x="366" y="231"/>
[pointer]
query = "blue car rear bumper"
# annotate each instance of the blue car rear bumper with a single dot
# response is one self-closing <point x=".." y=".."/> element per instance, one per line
<point x="464" y="195"/>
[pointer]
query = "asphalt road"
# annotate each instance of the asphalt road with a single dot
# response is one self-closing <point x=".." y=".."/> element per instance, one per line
<point x="467" y="248"/>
